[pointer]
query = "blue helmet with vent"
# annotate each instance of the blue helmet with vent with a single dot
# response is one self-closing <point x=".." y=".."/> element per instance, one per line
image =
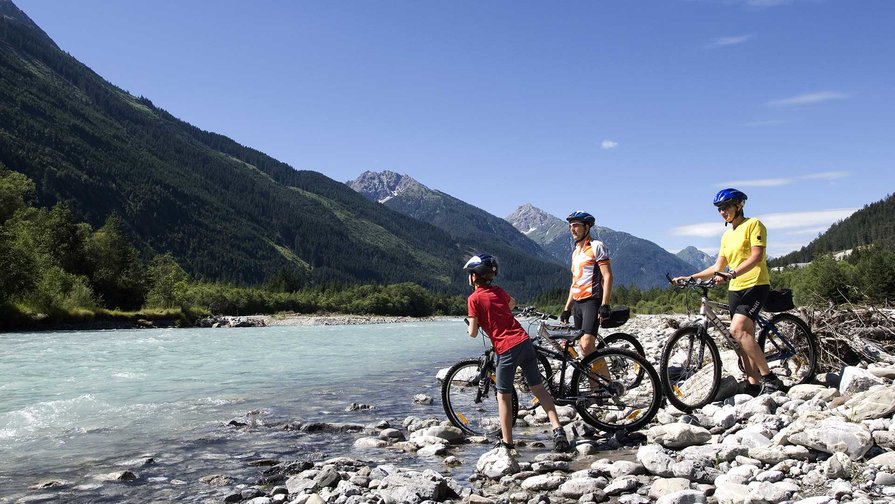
<point x="729" y="195"/>
<point x="581" y="216"/>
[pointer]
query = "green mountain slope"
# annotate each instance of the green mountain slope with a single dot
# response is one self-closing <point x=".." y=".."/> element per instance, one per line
<point x="873" y="224"/>
<point x="226" y="211"/>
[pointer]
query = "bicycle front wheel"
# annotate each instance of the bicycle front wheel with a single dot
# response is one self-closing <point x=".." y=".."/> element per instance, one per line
<point x="690" y="369"/>
<point x="470" y="403"/>
<point x="790" y="349"/>
<point x="616" y="390"/>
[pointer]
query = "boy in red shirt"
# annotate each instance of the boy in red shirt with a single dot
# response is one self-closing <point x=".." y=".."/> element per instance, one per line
<point x="490" y="308"/>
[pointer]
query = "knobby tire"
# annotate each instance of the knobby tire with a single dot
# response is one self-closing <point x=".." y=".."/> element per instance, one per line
<point x="690" y="380"/>
<point x="616" y="390"/>
<point x="458" y="395"/>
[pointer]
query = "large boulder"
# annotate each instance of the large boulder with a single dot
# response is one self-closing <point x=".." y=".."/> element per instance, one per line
<point x="832" y="435"/>
<point x="678" y="435"/>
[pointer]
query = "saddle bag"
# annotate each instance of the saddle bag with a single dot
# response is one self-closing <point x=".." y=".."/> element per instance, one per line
<point x="779" y="300"/>
<point x="619" y="315"/>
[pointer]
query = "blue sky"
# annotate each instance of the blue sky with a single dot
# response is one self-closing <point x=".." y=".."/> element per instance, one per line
<point x="635" y="111"/>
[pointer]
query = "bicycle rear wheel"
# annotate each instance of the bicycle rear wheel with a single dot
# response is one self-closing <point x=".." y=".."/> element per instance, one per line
<point x="690" y="369"/>
<point x="628" y="342"/>
<point x="470" y="403"/>
<point x="616" y="390"/>
<point x="790" y="348"/>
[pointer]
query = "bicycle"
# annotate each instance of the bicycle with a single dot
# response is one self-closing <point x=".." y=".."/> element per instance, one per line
<point x="618" y="317"/>
<point x="613" y="389"/>
<point x="690" y="367"/>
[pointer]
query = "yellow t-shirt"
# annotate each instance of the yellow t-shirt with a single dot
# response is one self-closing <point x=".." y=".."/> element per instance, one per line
<point x="736" y="247"/>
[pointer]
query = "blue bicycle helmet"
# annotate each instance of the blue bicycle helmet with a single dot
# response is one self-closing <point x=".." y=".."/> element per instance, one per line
<point x="483" y="265"/>
<point x="581" y="216"/>
<point x="729" y="195"/>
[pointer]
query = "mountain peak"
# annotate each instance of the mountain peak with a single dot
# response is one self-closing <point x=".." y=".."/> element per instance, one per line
<point x="695" y="257"/>
<point x="528" y="218"/>
<point x="382" y="186"/>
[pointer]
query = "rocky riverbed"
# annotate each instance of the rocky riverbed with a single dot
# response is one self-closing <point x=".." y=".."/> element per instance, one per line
<point x="828" y="442"/>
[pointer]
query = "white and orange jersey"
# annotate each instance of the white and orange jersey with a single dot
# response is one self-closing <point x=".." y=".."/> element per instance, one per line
<point x="587" y="280"/>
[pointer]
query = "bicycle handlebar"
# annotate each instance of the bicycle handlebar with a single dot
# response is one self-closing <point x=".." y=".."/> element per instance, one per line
<point x="529" y="311"/>
<point x="695" y="283"/>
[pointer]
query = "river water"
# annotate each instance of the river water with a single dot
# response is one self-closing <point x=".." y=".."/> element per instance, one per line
<point x="77" y="404"/>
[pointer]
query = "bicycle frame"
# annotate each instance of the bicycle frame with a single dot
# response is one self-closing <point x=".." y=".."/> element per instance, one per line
<point x="566" y="361"/>
<point x="708" y="316"/>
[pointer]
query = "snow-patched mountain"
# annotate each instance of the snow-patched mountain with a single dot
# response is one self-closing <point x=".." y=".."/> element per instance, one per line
<point x="383" y="186"/>
<point x="635" y="261"/>
<point x="697" y="258"/>
<point x="519" y="255"/>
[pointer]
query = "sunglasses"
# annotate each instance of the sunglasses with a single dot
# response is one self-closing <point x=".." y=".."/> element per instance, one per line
<point x="728" y="206"/>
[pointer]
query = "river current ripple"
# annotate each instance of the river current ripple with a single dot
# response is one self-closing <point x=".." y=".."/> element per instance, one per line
<point x="78" y="404"/>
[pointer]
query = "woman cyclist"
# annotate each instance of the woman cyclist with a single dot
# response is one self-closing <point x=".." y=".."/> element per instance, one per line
<point x="743" y="253"/>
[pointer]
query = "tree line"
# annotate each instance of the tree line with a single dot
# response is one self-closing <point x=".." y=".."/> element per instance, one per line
<point x="57" y="268"/>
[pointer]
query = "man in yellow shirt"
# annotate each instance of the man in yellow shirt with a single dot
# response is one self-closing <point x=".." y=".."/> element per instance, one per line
<point x="743" y="251"/>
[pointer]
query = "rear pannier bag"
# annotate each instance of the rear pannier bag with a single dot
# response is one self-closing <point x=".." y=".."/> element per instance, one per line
<point x="779" y="300"/>
<point x="619" y="315"/>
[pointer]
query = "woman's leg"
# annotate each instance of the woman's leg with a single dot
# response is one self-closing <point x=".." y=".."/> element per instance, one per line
<point x="754" y="363"/>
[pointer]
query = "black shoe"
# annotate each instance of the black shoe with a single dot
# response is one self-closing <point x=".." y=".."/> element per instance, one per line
<point x="753" y="389"/>
<point x="560" y="441"/>
<point x="771" y="383"/>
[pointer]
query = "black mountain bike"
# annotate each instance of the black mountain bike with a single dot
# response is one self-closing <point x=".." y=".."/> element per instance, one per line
<point x="613" y="389"/>
<point x="691" y="364"/>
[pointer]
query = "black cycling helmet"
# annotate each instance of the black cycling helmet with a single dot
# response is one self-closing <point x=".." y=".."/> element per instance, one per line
<point x="581" y="216"/>
<point x="482" y="265"/>
<point x="729" y="195"/>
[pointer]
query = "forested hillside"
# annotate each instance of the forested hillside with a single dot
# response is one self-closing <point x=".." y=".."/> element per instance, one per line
<point x="223" y="210"/>
<point x="873" y="224"/>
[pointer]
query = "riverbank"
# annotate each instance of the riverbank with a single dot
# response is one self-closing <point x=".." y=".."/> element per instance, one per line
<point x="84" y="320"/>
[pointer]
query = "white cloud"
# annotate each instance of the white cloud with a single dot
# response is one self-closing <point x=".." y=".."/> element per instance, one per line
<point x="775" y="182"/>
<point x="808" y="98"/>
<point x="811" y="231"/>
<point x="808" y="221"/>
<point x="728" y="41"/>
<point x="608" y="144"/>
<point x="704" y="229"/>
<point x="771" y="182"/>
<point x="830" y="175"/>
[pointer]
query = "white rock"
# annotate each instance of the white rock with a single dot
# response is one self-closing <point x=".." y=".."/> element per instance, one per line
<point x="543" y="482"/>
<point x="683" y="497"/>
<point x="678" y="435"/>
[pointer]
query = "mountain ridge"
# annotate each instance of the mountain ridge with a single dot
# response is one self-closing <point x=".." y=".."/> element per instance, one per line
<point x="635" y="261"/>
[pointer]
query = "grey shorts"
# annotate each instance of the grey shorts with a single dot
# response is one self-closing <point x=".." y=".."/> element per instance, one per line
<point x="522" y="356"/>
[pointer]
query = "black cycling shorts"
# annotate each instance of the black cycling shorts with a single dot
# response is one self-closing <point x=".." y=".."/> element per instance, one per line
<point x="748" y="302"/>
<point x="522" y="355"/>
<point x="585" y="313"/>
